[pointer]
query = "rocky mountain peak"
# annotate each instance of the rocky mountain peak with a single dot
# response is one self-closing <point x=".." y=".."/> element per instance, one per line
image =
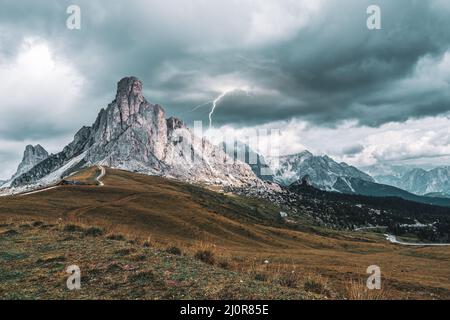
<point x="129" y="87"/>
<point x="303" y="154"/>
<point x="133" y="134"/>
<point x="129" y="98"/>
<point x="297" y="156"/>
<point x="322" y="171"/>
<point x="32" y="156"/>
<point x="33" y="152"/>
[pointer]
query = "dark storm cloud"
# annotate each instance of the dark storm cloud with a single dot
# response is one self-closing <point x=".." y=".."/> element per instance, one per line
<point x="329" y="70"/>
<point x="336" y="69"/>
<point x="352" y="150"/>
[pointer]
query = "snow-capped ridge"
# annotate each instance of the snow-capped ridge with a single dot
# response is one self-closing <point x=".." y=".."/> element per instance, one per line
<point x="417" y="180"/>
<point x="322" y="171"/>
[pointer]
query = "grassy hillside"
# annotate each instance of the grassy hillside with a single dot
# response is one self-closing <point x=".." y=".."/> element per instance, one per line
<point x="34" y="258"/>
<point x="233" y="236"/>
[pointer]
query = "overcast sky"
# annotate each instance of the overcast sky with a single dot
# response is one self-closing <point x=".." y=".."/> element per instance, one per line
<point x="310" y="68"/>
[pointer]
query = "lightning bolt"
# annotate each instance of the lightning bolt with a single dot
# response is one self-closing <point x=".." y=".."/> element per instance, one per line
<point x="201" y="105"/>
<point x="214" y="104"/>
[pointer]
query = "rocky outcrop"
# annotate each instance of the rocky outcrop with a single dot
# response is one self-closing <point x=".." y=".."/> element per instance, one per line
<point x="133" y="134"/>
<point x="32" y="156"/>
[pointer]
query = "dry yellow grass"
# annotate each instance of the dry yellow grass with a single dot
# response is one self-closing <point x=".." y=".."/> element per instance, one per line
<point x="34" y="258"/>
<point x="87" y="176"/>
<point x="163" y="213"/>
<point x="357" y="290"/>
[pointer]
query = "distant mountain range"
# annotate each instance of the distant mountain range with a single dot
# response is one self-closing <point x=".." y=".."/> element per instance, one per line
<point x="366" y="188"/>
<point x="434" y="182"/>
<point x="325" y="174"/>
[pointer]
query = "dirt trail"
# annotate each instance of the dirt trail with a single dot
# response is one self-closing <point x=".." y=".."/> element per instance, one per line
<point x="38" y="191"/>
<point x="102" y="174"/>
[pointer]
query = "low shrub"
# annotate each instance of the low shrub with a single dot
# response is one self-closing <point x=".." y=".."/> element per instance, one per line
<point x="357" y="290"/>
<point x="10" y="233"/>
<point x="94" y="232"/>
<point x="37" y="223"/>
<point x="115" y="236"/>
<point x="206" y="256"/>
<point x="174" y="250"/>
<point x="224" y="264"/>
<point x="289" y="279"/>
<point x="261" y="277"/>
<point x="72" y="228"/>
<point x="316" y="284"/>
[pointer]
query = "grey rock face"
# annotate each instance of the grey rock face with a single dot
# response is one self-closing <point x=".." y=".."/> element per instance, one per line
<point x="31" y="157"/>
<point x="134" y="135"/>
<point x="321" y="172"/>
<point x="55" y="161"/>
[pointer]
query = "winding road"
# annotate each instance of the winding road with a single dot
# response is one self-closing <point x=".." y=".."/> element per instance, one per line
<point x="368" y="228"/>
<point x="98" y="179"/>
<point x="102" y="174"/>
<point x="393" y="239"/>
